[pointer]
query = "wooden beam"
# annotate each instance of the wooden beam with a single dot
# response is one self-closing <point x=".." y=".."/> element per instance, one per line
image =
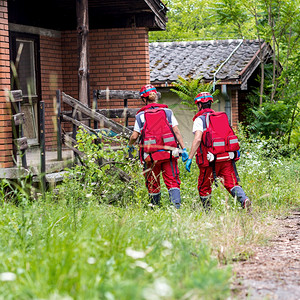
<point x="118" y="112"/>
<point x="16" y="96"/>
<point x="78" y="123"/>
<point x="19" y="119"/>
<point x="21" y="143"/>
<point x="70" y="143"/>
<point x="120" y="94"/>
<point x="83" y="50"/>
<point x="110" y="113"/>
<point x="103" y="121"/>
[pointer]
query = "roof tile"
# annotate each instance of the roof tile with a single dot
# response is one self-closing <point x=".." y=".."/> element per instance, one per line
<point x="200" y="58"/>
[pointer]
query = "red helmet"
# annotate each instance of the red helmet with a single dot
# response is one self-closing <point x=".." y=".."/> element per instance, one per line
<point x="203" y="97"/>
<point x="147" y="89"/>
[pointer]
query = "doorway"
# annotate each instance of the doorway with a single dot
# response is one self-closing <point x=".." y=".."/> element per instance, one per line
<point x="25" y="76"/>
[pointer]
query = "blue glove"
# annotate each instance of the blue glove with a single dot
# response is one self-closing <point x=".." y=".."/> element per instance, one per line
<point x="184" y="155"/>
<point x="130" y="148"/>
<point x="238" y="154"/>
<point x="188" y="165"/>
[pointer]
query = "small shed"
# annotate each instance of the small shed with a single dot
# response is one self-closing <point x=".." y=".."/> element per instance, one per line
<point x="233" y="65"/>
<point x="40" y="53"/>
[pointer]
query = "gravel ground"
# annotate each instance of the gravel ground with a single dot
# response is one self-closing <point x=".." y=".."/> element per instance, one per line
<point x="273" y="272"/>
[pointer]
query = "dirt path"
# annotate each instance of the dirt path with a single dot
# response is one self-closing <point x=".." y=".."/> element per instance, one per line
<point x="274" y="271"/>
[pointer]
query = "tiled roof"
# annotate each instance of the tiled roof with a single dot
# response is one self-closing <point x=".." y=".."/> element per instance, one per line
<point x="200" y="58"/>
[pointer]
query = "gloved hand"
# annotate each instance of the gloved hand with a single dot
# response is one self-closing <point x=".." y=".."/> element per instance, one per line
<point x="188" y="165"/>
<point x="210" y="157"/>
<point x="237" y="155"/>
<point x="130" y="150"/>
<point x="184" y="155"/>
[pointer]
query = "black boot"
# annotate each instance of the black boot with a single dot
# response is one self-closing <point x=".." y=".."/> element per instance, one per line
<point x="155" y="199"/>
<point x="206" y="202"/>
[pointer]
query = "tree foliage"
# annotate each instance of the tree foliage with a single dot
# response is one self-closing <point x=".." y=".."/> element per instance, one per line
<point x="276" y="22"/>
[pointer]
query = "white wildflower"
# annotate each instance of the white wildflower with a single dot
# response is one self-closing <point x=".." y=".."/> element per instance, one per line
<point x="167" y="244"/>
<point x="135" y="254"/>
<point x="144" y="266"/>
<point x="162" y="288"/>
<point x="109" y="296"/>
<point x="20" y="271"/>
<point x="91" y="260"/>
<point x="7" y="276"/>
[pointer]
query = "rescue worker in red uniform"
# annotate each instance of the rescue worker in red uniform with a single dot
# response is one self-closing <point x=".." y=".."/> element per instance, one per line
<point x="223" y="169"/>
<point x="162" y="160"/>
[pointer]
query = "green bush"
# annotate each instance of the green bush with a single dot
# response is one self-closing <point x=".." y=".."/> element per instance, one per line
<point x="98" y="177"/>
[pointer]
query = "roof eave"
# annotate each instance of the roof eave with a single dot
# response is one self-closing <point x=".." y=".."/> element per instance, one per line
<point x="249" y="69"/>
<point x="168" y="83"/>
<point x="160" y="11"/>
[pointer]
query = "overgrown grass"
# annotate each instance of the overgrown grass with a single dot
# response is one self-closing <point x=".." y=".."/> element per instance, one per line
<point x="100" y="252"/>
<point x="75" y="245"/>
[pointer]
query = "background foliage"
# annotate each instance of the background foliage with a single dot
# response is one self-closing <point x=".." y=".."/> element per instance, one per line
<point x="276" y="110"/>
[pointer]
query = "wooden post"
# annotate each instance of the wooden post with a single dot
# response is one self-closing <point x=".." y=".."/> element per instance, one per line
<point x="74" y="131"/>
<point x="125" y="110"/>
<point x="95" y="107"/>
<point x="59" y="146"/>
<point x="83" y="50"/>
<point x="42" y="147"/>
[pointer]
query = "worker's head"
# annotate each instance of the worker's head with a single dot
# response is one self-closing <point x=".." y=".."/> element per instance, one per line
<point x="204" y="100"/>
<point x="148" y="93"/>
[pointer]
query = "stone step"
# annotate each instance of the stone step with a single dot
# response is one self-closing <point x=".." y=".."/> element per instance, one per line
<point x="52" y="178"/>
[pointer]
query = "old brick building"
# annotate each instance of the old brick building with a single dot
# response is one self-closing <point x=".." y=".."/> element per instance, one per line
<point x="40" y="39"/>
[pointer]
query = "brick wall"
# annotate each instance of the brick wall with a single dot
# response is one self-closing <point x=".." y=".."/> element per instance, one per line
<point x="119" y="59"/>
<point x="51" y="80"/>
<point x="70" y="63"/>
<point x="6" y="146"/>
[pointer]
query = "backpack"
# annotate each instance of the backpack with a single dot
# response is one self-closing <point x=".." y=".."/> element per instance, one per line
<point x="218" y="137"/>
<point x="157" y="136"/>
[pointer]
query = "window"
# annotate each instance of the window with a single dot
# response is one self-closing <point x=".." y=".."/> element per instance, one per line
<point x="26" y="67"/>
<point x="25" y="76"/>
